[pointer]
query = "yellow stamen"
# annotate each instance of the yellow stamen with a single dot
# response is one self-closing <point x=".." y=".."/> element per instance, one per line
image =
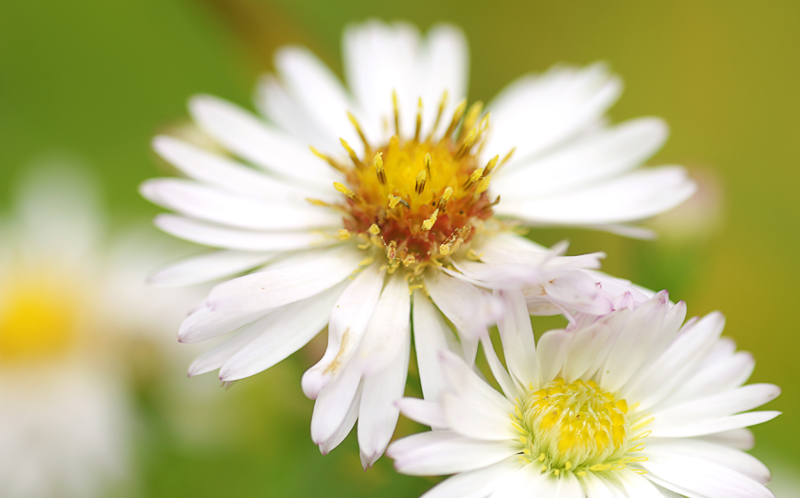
<point x="428" y="224"/>
<point x="351" y="153"/>
<point x="418" y="127"/>
<point x="457" y="115"/>
<point x="396" y="113"/>
<point x="448" y="192"/>
<point x="360" y="132"/>
<point x="439" y="113"/>
<point x="471" y="117"/>
<point x="378" y="163"/>
<point x="419" y="186"/>
<point x="328" y="159"/>
<point x="344" y="190"/>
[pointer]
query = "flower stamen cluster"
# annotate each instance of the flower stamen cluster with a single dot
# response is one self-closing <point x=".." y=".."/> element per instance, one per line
<point x="576" y="427"/>
<point x="419" y="200"/>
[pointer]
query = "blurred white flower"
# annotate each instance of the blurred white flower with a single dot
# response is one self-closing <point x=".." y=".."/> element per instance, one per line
<point x="632" y="404"/>
<point x="401" y="181"/>
<point x="65" y="418"/>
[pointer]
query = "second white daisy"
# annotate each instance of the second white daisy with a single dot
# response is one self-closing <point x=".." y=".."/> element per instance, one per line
<point x="631" y="404"/>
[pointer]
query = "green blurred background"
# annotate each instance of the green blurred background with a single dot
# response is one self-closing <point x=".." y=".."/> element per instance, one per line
<point x="97" y="79"/>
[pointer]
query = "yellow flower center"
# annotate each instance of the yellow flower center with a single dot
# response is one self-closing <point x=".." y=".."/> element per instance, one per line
<point x="576" y="427"/>
<point x="38" y="319"/>
<point x="420" y="199"/>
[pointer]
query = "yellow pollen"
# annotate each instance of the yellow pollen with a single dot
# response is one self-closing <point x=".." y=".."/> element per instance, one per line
<point x="428" y="224"/>
<point x="374" y="229"/>
<point x="344" y="233"/>
<point x="576" y="427"/>
<point x="344" y="190"/>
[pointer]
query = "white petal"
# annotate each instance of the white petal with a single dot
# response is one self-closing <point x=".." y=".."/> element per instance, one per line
<point x="333" y="404"/>
<point x="499" y="372"/>
<point x="389" y="329"/>
<point x="719" y="405"/>
<point x="477" y="421"/>
<point x="638" y="486"/>
<point x="425" y="412"/>
<point x="319" y="92"/>
<point x="634" y="342"/>
<point x="584" y="162"/>
<point x="232" y="238"/>
<point x="459" y="301"/>
<point x="728" y="457"/>
<point x="237" y="210"/>
<point x="264" y="146"/>
<point x="206" y="323"/>
<point x="630" y="197"/>
<point x="568" y="486"/>
<point x="348" y="323"/>
<point x="551" y="353"/>
<point x="442" y="452"/>
<point x="723" y="375"/>
<point x="288" y="329"/>
<point x="704" y="477"/>
<point x="740" y="439"/>
<point x="464" y="382"/>
<point x="207" y="267"/>
<point x="347" y="425"/>
<point x="519" y="346"/>
<point x="526" y="481"/>
<point x="290" y="280"/>
<point x="445" y="62"/>
<point x="276" y="104"/>
<point x="476" y="483"/>
<point x="378" y="413"/>
<point x="380" y="59"/>
<point x="591" y="344"/>
<point x="228" y="174"/>
<point x="721" y="424"/>
<point x="598" y="487"/>
<point x="681" y="359"/>
<point x="534" y="113"/>
<point x="431" y="335"/>
<point x="215" y="357"/>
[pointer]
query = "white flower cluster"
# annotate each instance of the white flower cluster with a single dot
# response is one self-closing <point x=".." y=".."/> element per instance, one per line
<point x="390" y="211"/>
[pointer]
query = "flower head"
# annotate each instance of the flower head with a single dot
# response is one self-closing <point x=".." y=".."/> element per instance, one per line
<point x="396" y="182"/>
<point x="631" y="404"/>
<point x="63" y="405"/>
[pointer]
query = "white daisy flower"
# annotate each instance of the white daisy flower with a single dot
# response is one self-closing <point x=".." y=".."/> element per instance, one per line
<point x="631" y="404"/>
<point x="64" y="408"/>
<point x="397" y="178"/>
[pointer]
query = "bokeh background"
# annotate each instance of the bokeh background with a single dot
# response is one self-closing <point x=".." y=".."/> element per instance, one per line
<point x="97" y="79"/>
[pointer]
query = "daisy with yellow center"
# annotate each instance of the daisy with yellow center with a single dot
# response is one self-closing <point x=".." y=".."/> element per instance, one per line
<point x="629" y="404"/>
<point x="64" y="413"/>
<point x="362" y="201"/>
